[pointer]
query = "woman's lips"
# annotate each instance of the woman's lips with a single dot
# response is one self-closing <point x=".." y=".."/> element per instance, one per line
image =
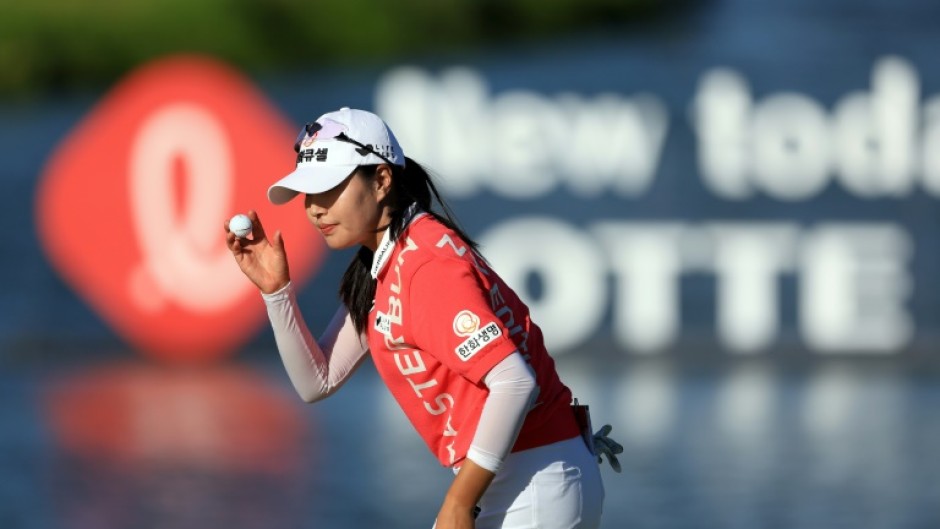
<point x="326" y="229"/>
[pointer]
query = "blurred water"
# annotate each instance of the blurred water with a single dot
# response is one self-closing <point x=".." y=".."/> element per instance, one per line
<point x="747" y="445"/>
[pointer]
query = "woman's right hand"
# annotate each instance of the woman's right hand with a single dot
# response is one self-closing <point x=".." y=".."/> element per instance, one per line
<point x="263" y="261"/>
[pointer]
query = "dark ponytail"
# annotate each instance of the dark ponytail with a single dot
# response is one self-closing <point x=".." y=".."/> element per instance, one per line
<point x="411" y="184"/>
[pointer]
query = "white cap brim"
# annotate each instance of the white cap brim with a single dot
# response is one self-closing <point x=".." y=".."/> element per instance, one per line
<point x="308" y="180"/>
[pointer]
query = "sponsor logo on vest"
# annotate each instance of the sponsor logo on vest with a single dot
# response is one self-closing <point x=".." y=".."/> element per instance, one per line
<point x="383" y="323"/>
<point x="466" y="323"/>
<point x="478" y="341"/>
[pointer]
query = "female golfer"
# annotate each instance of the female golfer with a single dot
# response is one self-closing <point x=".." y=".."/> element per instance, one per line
<point x="453" y="343"/>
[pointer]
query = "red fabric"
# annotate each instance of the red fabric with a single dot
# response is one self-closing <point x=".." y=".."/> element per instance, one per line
<point x="442" y="319"/>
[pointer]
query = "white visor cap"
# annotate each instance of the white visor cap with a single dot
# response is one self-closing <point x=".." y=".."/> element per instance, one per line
<point x="324" y="160"/>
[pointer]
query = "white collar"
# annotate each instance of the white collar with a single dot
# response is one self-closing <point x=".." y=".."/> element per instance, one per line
<point x="387" y="245"/>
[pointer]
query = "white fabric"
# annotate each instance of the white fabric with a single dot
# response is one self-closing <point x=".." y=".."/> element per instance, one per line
<point x="556" y="486"/>
<point x="512" y="391"/>
<point x="316" y="370"/>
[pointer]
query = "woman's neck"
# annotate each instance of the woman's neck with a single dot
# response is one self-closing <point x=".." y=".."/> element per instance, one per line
<point x="385" y="222"/>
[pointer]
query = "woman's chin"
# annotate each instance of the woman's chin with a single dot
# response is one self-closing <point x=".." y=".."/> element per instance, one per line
<point x="337" y="243"/>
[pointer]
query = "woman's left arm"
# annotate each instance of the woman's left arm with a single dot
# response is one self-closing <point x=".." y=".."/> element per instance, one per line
<point x="512" y="388"/>
<point x="465" y="492"/>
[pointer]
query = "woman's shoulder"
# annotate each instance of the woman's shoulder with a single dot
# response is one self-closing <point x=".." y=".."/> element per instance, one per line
<point x="434" y="242"/>
<point x="432" y="235"/>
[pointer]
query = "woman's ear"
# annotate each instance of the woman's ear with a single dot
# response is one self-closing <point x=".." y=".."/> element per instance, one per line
<point x="383" y="181"/>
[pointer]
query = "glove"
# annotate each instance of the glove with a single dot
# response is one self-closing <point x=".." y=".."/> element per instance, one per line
<point x="605" y="446"/>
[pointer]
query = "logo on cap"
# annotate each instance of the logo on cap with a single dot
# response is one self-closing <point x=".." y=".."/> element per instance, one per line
<point x="325" y="129"/>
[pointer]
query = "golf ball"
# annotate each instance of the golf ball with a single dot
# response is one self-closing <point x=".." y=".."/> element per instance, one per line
<point x="240" y="225"/>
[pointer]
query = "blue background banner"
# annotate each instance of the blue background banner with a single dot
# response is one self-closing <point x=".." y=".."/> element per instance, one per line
<point x="745" y="178"/>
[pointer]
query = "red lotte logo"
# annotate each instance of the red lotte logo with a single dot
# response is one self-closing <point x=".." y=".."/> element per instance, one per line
<point x="131" y="206"/>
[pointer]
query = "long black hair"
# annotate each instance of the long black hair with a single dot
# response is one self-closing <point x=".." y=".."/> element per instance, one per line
<point x="411" y="184"/>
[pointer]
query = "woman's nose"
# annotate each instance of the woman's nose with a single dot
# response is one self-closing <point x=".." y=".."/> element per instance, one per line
<point x="313" y="209"/>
